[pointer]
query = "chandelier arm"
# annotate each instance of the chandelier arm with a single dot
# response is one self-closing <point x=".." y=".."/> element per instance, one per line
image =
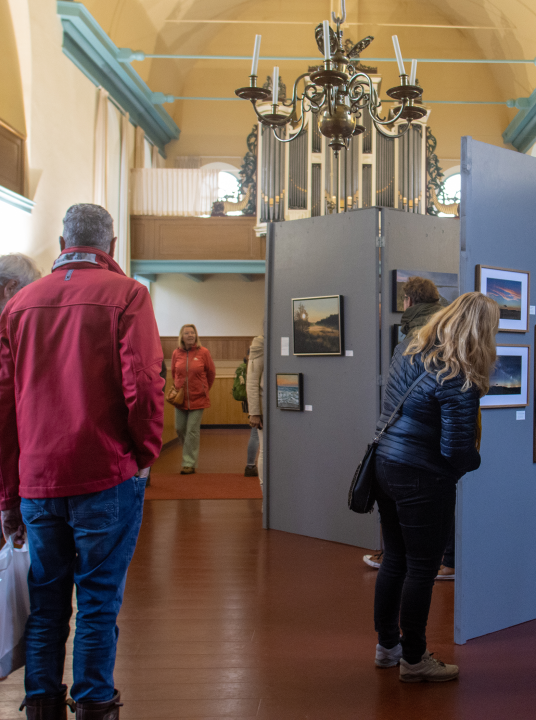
<point x="262" y="119"/>
<point x="282" y="140"/>
<point x="388" y="135"/>
<point x="379" y="121"/>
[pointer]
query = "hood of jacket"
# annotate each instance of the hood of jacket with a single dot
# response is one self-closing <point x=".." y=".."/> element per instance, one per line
<point x="86" y="256"/>
<point x="416" y="316"/>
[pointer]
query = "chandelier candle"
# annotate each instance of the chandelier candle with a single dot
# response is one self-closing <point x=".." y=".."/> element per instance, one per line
<point x="400" y="61"/>
<point x="327" y="42"/>
<point x="413" y="73"/>
<point x="256" y="53"/>
<point x="275" y="86"/>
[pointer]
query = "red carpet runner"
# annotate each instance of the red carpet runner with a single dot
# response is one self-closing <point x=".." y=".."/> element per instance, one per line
<point x="202" y="486"/>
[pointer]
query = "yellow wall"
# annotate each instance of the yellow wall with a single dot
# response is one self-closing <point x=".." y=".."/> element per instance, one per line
<point x="11" y="102"/>
<point x="59" y="111"/>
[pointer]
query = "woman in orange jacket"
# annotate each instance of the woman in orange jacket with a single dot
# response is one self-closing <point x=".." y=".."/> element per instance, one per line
<point x="193" y="369"/>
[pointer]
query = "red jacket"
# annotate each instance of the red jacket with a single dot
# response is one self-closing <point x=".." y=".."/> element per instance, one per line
<point x="81" y="397"/>
<point x="194" y="369"/>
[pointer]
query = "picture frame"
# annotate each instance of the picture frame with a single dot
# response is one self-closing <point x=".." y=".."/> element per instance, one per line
<point x="509" y="381"/>
<point x="511" y="290"/>
<point x="397" y="336"/>
<point x="289" y="391"/>
<point x="446" y="283"/>
<point x="317" y="325"/>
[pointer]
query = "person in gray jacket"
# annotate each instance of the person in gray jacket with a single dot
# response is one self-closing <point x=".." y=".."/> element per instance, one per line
<point x="254" y="390"/>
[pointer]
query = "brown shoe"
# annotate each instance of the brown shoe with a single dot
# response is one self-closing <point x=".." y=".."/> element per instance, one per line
<point x="446" y="573"/>
<point x="187" y="471"/>
<point x="251" y="471"/>
<point x="99" y="710"/>
<point x="48" y="708"/>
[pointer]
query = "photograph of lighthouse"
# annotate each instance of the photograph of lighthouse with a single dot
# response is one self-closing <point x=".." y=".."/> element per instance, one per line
<point x="509" y="381"/>
<point x="510" y="290"/>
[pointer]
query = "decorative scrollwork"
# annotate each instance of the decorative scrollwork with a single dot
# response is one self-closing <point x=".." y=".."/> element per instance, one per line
<point x="435" y="173"/>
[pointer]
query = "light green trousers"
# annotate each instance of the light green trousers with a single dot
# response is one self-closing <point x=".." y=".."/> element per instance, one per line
<point x="188" y="427"/>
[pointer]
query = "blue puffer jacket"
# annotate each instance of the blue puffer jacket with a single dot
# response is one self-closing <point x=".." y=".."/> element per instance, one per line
<point x="435" y="429"/>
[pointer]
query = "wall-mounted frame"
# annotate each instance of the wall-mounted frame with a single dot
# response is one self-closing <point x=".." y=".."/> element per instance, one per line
<point x="317" y="324"/>
<point x="397" y="336"/>
<point x="446" y="283"/>
<point x="289" y="391"/>
<point x="509" y="381"/>
<point x="510" y="289"/>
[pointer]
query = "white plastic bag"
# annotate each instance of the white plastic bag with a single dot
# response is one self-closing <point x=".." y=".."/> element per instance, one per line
<point x="14" y="606"/>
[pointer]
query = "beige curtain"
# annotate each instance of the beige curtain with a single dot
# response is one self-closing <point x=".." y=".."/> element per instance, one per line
<point x="173" y="191"/>
<point x="123" y="221"/>
<point x="157" y="161"/>
<point x="101" y="132"/>
<point x="139" y="149"/>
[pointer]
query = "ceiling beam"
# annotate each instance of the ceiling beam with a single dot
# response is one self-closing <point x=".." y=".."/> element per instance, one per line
<point x="198" y="267"/>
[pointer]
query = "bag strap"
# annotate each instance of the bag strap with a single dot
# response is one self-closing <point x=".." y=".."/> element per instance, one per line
<point x="404" y="396"/>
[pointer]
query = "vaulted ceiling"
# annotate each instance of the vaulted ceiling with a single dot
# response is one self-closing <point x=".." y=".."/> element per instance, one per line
<point x="433" y="29"/>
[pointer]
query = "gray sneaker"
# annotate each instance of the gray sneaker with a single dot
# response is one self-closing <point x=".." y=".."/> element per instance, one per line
<point x="427" y="670"/>
<point x="388" y="658"/>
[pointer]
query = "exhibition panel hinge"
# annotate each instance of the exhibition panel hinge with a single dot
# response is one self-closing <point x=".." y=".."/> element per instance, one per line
<point x="380" y="241"/>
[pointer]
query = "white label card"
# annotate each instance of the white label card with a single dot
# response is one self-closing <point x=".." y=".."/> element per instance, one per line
<point x="349" y="353"/>
<point x="520" y="414"/>
<point x="285" y="345"/>
<point x="532" y="309"/>
<point x="309" y="408"/>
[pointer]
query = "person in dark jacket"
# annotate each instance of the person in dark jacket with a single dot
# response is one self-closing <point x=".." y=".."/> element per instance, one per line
<point x="419" y="460"/>
<point x="421" y="301"/>
<point x="193" y="369"/>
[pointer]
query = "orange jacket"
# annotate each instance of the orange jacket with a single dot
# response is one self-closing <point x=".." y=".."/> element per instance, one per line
<point x="81" y="397"/>
<point x="194" y="370"/>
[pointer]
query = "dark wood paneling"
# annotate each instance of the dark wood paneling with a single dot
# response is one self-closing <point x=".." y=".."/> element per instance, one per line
<point x="221" y="348"/>
<point x="192" y="238"/>
<point x="11" y="159"/>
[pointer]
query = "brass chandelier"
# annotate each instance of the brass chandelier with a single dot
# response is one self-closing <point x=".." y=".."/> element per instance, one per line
<point x="338" y="92"/>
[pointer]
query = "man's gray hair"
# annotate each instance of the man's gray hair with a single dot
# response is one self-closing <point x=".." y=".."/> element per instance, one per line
<point x="88" y="225"/>
<point x="19" y="267"/>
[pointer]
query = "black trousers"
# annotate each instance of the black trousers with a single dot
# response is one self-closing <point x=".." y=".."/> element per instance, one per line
<point x="416" y="511"/>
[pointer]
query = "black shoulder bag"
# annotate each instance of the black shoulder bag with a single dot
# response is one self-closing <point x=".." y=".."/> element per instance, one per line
<point x="361" y="496"/>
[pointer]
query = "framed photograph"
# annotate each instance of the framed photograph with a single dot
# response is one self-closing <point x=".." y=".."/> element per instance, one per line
<point x="318" y="325"/>
<point x="446" y="283"/>
<point x="396" y="337"/>
<point x="509" y="381"/>
<point x="289" y="388"/>
<point x="510" y="289"/>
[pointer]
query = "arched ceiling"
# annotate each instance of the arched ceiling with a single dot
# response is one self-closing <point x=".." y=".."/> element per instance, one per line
<point x="475" y="29"/>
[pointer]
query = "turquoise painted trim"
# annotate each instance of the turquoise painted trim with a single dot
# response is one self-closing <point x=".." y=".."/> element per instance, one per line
<point x="12" y="198"/>
<point x="148" y="277"/>
<point x="521" y="132"/>
<point x="92" y="51"/>
<point x="128" y="56"/>
<point x="198" y="267"/>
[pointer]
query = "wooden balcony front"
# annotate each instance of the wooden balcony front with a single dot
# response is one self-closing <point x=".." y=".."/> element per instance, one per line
<point x="195" y="238"/>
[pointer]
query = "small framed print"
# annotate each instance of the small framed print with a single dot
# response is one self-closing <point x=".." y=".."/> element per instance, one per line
<point x="397" y="336"/>
<point x="510" y="289"/>
<point x="318" y="325"/>
<point x="509" y="381"/>
<point x="289" y="388"/>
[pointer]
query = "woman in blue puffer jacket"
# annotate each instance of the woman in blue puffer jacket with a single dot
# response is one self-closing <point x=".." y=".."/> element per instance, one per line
<point x="419" y="460"/>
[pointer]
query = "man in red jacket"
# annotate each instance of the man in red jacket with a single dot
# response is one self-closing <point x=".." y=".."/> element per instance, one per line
<point x="81" y="417"/>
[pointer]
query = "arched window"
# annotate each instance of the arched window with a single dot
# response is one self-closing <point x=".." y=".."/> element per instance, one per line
<point x="451" y="190"/>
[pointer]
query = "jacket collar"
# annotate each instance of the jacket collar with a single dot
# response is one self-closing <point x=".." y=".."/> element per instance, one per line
<point x="84" y="257"/>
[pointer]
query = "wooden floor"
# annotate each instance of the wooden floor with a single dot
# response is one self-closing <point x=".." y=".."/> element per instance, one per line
<point x="222" y="619"/>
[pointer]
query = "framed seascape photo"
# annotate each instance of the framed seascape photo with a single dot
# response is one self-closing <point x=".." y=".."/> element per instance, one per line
<point x="289" y="387"/>
<point x="509" y="381"/>
<point x="510" y="289"/>
<point x="446" y="283"/>
<point x="318" y="325"/>
<point x="396" y="337"/>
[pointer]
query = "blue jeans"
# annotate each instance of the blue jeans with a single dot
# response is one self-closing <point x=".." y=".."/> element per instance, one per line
<point x="87" y="541"/>
<point x="416" y="511"/>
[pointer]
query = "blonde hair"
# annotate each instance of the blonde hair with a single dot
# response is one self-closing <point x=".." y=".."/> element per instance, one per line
<point x="460" y="340"/>
<point x="181" y="332"/>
